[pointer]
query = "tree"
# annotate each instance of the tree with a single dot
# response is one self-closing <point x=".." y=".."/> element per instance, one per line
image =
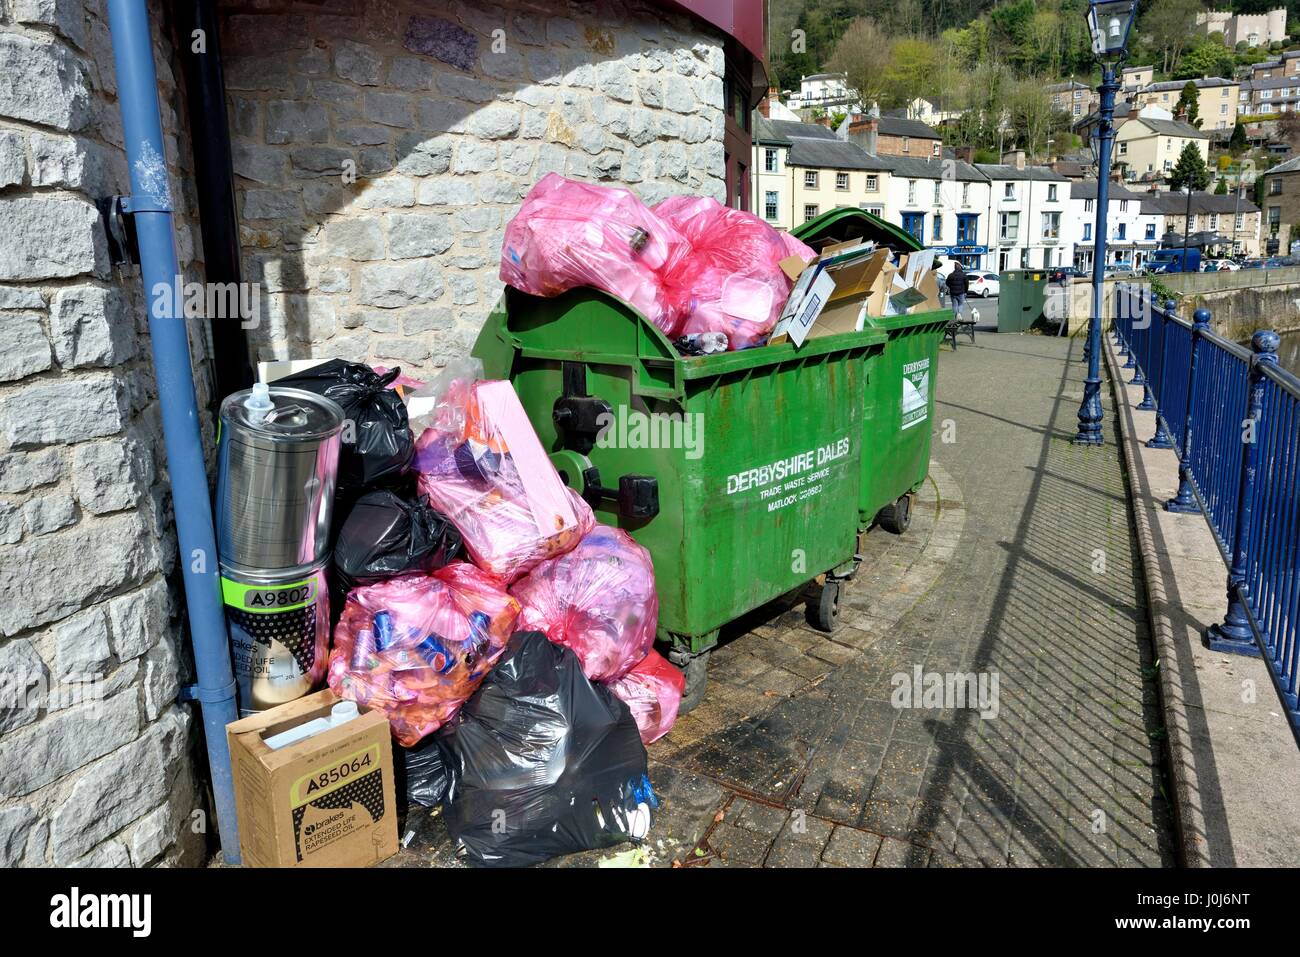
<point x="862" y="55"/>
<point x="1189" y="103"/>
<point x="1168" y="24"/>
<point x="1190" y="170"/>
<point x="1238" y="143"/>
<point x="911" y="72"/>
<point x="1221" y="187"/>
<point x="1208" y="58"/>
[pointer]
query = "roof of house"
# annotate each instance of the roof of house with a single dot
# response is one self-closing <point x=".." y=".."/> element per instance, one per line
<point x="783" y="131"/>
<point x="1290" y="166"/>
<point x="901" y="126"/>
<point x="1207" y="81"/>
<point x="1068" y="85"/>
<point x="1006" y="171"/>
<point x="1087" y="189"/>
<point x="1273" y="83"/>
<point x="911" y="167"/>
<point x="1171" y="127"/>
<point x="1174" y="203"/>
<point x="834" y="153"/>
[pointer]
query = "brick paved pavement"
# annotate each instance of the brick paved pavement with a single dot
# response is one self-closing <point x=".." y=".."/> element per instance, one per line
<point x="1020" y="562"/>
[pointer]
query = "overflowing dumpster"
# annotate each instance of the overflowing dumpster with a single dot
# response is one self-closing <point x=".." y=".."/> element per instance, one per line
<point x="740" y="472"/>
<point x="898" y="409"/>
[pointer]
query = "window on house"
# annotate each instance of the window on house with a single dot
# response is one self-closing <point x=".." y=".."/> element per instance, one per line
<point x="873" y="183"/>
<point x="1123" y="205"/>
<point x="1087" y="206"/>
<point x="906" y="141"/>
<point x="1009" y="191"/>
<point x="965" y="194"/>
<point x="1275" y="186"/>
<point x="770" y="200"/>
<point x="1123" y="149"/>
<point x="841" y="180"/>
<point x="1008" y="227"/>
<point x="936" y="228"/>
<point x="911" y="192"/>
<point x="1239" y="220"/>
<point x="809" y="211"/>
<point x="1266" y="94"/>
<point x="1274" y="216"/>
<point x="936" y="192"/>
<point x="1121" y="230"/>
<point x="874" y="210"/>
<point x="937" y="149"/>
<point x="914" y="223"/>
<point x="770" y="161"/>
<point x="1051" y="225"/>
<point x="967" y="228"/>
<point x="1051" y="193"/>
<point x="810" y="179"/>
<point x="1087" y="232"/>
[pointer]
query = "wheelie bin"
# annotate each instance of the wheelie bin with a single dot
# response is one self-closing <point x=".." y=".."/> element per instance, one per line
<point x="898" y="414"/>
<point x="739" y="471"/>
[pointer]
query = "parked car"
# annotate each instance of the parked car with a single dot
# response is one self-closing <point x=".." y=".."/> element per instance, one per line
<point x="1220" y="265"/>
<point x="983" y="284"/>
<point x="1065" y="274"/>
<point x="1254" y="264"/>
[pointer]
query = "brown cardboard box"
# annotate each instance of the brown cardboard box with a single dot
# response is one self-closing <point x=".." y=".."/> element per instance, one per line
<point x="325" y="801"/>
<point x="869" y="282"/>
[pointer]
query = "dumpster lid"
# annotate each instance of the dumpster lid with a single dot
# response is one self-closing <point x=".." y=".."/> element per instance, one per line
<point x="849" y="222"/>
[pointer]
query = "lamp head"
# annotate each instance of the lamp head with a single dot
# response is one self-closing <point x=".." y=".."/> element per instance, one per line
<point x="1109" y="23"/>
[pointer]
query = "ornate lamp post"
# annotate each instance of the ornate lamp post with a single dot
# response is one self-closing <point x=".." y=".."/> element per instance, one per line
<point x="1109" y="22"/>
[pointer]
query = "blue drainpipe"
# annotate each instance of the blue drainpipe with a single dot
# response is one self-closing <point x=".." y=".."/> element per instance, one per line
<point x="150" y="206"/>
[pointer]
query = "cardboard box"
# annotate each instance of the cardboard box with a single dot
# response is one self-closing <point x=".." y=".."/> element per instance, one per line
<point x="325" y="801"/>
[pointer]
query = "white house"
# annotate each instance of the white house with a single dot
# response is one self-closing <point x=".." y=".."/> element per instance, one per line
<point x="942" y="202"/>
<point x="825" y="90"/>
<point x="1026" y="215"/>
<point x="1131" y="234"/>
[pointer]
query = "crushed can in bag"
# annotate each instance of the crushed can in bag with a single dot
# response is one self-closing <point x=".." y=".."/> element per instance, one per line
<point x="279" y="635"/>
<point x="277" y="460"/>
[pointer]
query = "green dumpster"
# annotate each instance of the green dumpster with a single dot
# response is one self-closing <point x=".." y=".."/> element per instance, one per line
<point x="1022" y="298"/>
<point x="738" y="471"/>
<point x="898" y="416"/>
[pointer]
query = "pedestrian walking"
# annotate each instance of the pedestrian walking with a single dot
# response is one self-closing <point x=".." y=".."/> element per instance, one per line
<point x="957" y="286"/>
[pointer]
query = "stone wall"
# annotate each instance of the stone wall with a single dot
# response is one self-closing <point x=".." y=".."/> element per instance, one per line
<point x="382" y="146"/>
<point x="95" y="756"/>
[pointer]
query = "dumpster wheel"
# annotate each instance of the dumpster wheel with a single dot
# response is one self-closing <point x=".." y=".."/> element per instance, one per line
<point x="897" y="516"/>
<point x="825" y="614"/>
<point x="696" y="669"/>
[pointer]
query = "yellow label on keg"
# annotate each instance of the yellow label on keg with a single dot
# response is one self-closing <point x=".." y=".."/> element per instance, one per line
<point x="257" y="598"/>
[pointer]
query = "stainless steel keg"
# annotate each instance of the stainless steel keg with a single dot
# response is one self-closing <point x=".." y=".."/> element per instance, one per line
<point x="277" y="464"/>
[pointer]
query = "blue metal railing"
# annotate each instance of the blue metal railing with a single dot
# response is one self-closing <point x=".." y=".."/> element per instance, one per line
<point x="1233" y="419"/>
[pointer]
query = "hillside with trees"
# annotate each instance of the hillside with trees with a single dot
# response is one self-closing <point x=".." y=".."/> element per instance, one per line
<point x="988" y="61"/>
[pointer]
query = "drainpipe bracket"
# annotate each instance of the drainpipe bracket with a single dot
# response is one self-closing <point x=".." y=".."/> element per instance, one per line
<point x="117" y="217"/>
<point x="193" y="692"/>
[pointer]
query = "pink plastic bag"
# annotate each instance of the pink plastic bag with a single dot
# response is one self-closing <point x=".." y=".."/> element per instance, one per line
<point x="568" y="234"/>
<point x="732" y="281"/>
<point x="417" y="646"/>
<point x="652" y="691"/>
<point x="599" y="600"/>
<point x="481" y="465"/>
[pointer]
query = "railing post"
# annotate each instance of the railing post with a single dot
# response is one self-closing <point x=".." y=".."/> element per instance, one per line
<point x="1185" y="500"/>
<point x="1235" y="634"/>
<point x="1162" y="439"/>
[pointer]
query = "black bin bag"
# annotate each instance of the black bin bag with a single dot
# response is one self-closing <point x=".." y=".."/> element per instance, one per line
<point x="421" y="772"/>
<point x="388" y="534"/>
<point x="378" y="444"/>
<point x="543" y="762"/>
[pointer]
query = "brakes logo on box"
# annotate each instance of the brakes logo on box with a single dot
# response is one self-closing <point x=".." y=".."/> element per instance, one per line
<point x="337" y="800"/>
